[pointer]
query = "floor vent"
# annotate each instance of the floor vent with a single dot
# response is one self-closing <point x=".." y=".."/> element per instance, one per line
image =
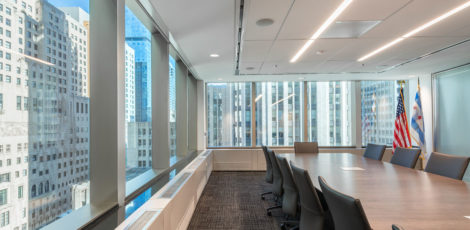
<point x="169" y="192"/>
<point x="141" y="221"/>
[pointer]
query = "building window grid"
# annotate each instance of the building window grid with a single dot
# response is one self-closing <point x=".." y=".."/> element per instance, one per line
<point x="340" y="132"/>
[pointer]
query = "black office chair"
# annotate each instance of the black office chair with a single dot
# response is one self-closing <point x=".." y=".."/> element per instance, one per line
<point x="405" y="157"/>
<point x="447" y="165"/>
<point x="347" y="211"/>
<point x="277" y="190"/>
<point x="269" y="170"/>
<point x="306" y="147"/>
<point x="314" y="214"/>
<point x="374" y="151"/>
<point x="290" y="197"/>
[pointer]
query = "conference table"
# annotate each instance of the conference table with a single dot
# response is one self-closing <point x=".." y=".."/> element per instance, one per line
<point x="392" y="194"/>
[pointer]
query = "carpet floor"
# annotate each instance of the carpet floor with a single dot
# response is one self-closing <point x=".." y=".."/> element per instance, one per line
<point x="231" y="200"/>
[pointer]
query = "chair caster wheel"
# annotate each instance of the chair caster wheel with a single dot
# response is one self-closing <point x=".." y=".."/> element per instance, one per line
<point x="283" y="226"/>
<point x="269" y="213"/>
<point x="262" y="198"/>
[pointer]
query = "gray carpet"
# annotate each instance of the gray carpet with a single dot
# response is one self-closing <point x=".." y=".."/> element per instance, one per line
<point x="231" y="200"/>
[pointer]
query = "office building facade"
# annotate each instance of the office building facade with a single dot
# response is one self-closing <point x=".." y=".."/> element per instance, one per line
<point x="44" y="115"/>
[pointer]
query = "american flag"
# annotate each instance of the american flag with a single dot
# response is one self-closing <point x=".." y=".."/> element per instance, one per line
<point x="401" y="135"/>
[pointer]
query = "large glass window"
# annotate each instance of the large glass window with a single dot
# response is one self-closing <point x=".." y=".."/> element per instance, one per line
<point x="329" y="113"/>
<point x="138" y="96"/>
<point x="279" y="113"/>
<point x="228" y="114"/>
<point x="44" y="110"/>
<point x="172" y="105"/>
<point x="378" y="110"/>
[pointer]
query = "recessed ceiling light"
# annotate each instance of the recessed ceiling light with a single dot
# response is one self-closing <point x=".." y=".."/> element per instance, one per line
<point x="320" y="52"/>
<point x="219" y="79"/>
<point x="250" y="68"/>
<point x="301" y="78"/>
<point x="214" y="55"/>
<point x="265" y="22"/>
<point x="322" y="28"/>
<point x="415" y="31"/>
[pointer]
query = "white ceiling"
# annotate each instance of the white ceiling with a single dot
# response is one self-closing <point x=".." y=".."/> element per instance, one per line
<point x="210" y="26"/>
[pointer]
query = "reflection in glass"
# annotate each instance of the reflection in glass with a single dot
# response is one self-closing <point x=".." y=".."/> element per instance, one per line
<point x="279" y="113"/>
<point x="378" y="111"/>
<point x="172" y="90"/>
<point x="329" y="113"/>
<point x="138" y="100"/>
<point x="228" y="114"/>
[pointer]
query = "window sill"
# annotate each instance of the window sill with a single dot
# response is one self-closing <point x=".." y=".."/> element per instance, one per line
<point x="80" y="217"/>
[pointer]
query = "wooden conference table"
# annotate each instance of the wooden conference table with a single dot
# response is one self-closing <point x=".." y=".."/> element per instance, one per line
<point x="392" y="194"/>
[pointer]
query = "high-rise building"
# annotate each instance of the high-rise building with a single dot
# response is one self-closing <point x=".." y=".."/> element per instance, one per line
<point x="279" y="113"/>
<point x="44" y="115"/>
<point x="172" y="96"/>
<point x="139" y="39"/>
<point x="130" y="84"/>
<point x="228" y="105"/>
<point x="378" y="99"/>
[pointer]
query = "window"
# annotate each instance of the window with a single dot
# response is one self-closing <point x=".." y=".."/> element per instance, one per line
<point x="3" y="197"/>
<point x="378" y="110"/>
<point x="138" y="99"/>
<point x="5" y="177"/>
<point x="20" y="192"/>
<point x="329" y="113"/>
<point x="4" y="219"/>
<point x="229" y="114"/>
<point x="172" y="103"/>
<point x="279" y="113"/>
<point x="52" y="120"/>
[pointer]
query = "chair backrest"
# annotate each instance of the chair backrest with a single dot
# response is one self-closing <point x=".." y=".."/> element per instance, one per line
<point x="269" y="166"/>
<point x="306" y="147"/>
<point x="312" y="215"/>
<point x="374" y="151"/>
<point x="405" y="157"/>
<point x="347" y="211"/>
<point x="290" y="197"/>
<point x="277" y="177"/>
<point x="447" y="165"/>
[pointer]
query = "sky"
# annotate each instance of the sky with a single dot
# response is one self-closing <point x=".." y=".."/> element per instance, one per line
<point x="84" y="4"/>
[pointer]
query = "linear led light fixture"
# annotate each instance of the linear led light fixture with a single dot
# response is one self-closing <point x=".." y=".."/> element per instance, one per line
<point x="258" y="97"/>
<point x="322" y="28"/>
<point x="277" y="102"/>
<point x="415" y="31"/>
<point x="27" y="56"/>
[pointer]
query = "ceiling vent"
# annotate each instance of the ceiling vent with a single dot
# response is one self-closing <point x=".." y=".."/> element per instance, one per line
<point x="349" y="29"/>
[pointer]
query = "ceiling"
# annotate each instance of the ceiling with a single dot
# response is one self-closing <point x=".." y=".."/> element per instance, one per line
<point x="204" y="27"/>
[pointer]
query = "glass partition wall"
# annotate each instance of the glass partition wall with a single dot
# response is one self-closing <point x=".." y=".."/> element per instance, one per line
<point x="285" y="112"/>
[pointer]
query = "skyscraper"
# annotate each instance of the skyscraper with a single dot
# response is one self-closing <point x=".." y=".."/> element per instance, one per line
<point x="378" y="98"/>
<point x="279" y="113"/>
<point x="44" y="116"/>
<point x="139" y="39"/>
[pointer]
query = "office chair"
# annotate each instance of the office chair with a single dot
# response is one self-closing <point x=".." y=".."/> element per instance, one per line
<point x="277" y="190"/>
<point x="314" y="214"/>
<point x="374" y="151"/>
<point x="405" y="157"/>
<point x="306" y="147"/>
<point x="269" y="170"/>
<point x="447" y="165"/>
<point x="347" y="212"/>
<point x="290" y="198"/>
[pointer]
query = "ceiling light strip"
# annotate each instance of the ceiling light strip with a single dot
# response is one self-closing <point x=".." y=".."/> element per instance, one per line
<point x="27" y="56"/>
<point x="258" y="97"/>
<point x="417" y="30"/>
<point x="277" y="102"/>
<point x="322" y="28"/>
